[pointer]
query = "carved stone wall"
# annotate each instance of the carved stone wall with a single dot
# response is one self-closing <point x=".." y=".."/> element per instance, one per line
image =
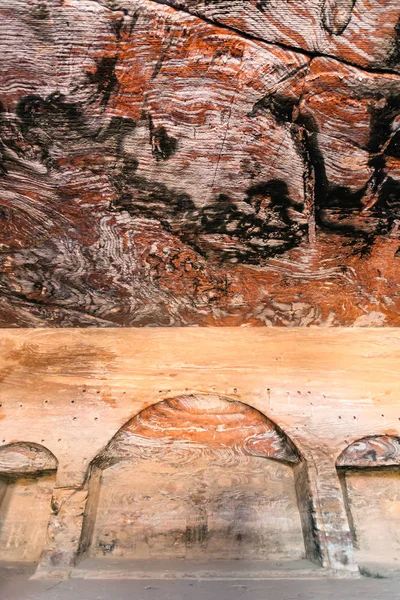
<point x="270" y="445"/>
<point x="192" y="477"/>
<point x="370" y="470"/>
<point x="27" y="479"/>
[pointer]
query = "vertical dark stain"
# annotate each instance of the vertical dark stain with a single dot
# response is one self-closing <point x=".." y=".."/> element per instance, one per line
<point x="105" y="77"/>
<point x="163" y="145"/>
<point x="394" y="58"/>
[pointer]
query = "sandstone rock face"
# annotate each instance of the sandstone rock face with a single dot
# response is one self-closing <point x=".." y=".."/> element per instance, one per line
<point x="246" y="443"/>
<point x="238" y="165"/>
<point x="358" y="32"/>
<point x="164" y="461"/>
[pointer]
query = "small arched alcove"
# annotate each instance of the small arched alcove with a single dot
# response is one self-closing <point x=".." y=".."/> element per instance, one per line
<point x="27" y="478"/>
<point x="195" y="477"/>
<point x="369" y="470"/>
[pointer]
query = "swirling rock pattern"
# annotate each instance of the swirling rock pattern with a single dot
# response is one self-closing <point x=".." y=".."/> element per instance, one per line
<point x="23" y="458"/>
<point x="157" y="169"/>
<point x="375" y="451"/>
<point x="359" y="32"/>
<point x="188" y="427"/>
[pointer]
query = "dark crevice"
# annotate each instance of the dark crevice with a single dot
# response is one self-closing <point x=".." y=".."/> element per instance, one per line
<point x="361" y="215"/>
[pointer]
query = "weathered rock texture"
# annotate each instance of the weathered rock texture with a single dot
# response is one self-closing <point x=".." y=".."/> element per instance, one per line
<point x="203" y="463"/>
<point x="27" y="478"/>
<point x="258" y="444"/>
<point x="370" y="471"/>
<point x="235" y="165"/>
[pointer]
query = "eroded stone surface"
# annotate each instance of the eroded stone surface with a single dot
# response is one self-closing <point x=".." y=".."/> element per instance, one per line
<point x="22" y="458"/>
<point x="24" y="515"/>
<point x="227" y="397"/>
<point x="204" y="463"/>
<point x="371" y="452"/>
<point x="359" y="32"/>
<point x="171" y="172"/>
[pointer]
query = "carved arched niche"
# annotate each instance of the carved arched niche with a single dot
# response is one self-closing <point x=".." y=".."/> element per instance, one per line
<point x="195" y="476"/>
<point x="369" y="470"/>
<point x="27" y="478"/>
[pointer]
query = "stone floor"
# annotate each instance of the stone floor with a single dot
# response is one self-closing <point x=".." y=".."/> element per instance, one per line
<point x="118" y="568"/>
<point x="16" y="585"/>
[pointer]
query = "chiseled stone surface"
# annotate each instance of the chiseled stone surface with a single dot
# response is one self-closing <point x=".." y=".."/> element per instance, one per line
<point x="204" y="463"/>
<point x="159" y="169"/>
<point x="141" y="422"/>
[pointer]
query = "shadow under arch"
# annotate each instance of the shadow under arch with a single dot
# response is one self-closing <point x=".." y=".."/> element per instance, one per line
<point x="369" y="472"/>
<point x="27" y="479"/>
<point x="208" y="451"/>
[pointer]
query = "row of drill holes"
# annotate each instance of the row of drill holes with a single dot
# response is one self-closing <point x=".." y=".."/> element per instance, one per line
<point x="160" y="392"/>
<point x="73" y="401"/>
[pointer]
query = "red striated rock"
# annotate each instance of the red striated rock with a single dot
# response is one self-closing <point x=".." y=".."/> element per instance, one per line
<point x="358" y="32"/>
<point x="159" y="170"/>
<point x="371" y="452"/>
<point x="185" y="424"/>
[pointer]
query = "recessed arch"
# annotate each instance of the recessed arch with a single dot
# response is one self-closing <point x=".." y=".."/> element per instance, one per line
<point x="369" y="469"/>
<point x="26" y="458"/>
<point x="371" y="451"/>
<point x="27" y="478"/>
<point x="191" y="476"/>
<point x="204" y="421"/>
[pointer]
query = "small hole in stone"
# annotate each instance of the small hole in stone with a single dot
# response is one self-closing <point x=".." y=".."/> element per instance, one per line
<point x="74" y="418"/>
<point x="382" y="415"/>
<point x="20" y="405"/>
<point x="354" y="417"/>
<point x="3" y="441"/>
<point x="72" y="401"/>
<point x="83" y="390"/>
<point x="59" y="440"/>
<point x="299" y="392"/>
<point x="42" y="440"/>
<point x="46" y="401"/>
<point x="340" y="417"/>
<point x="234" y="390"/>
<point x="96" y="418"/>
<point x="98" y="392"/>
